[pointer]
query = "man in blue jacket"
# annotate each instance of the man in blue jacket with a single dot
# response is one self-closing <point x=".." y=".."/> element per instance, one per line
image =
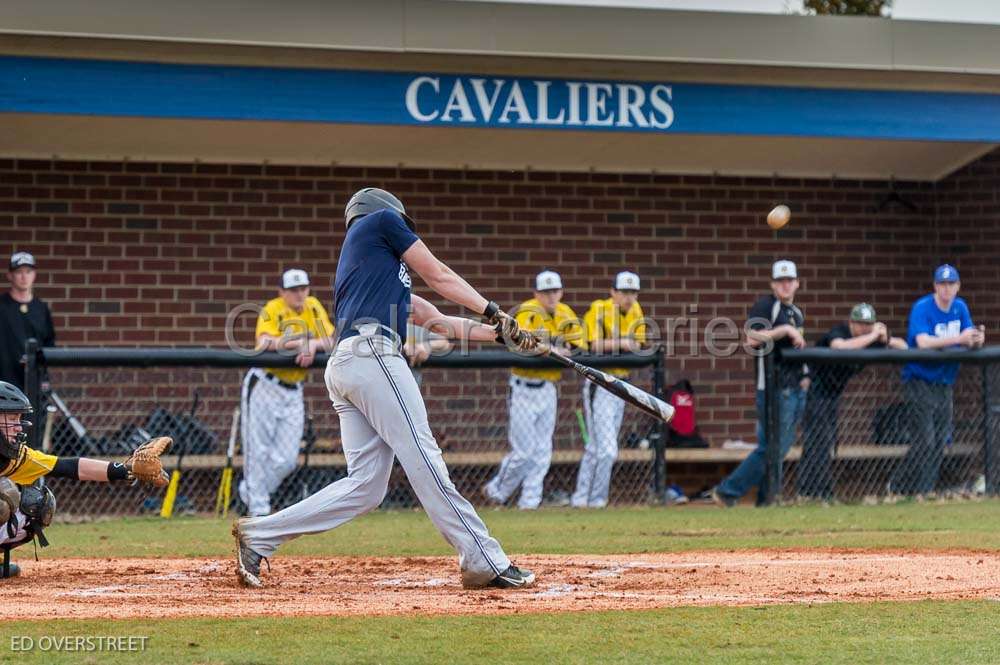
<point x="939" y="320"/>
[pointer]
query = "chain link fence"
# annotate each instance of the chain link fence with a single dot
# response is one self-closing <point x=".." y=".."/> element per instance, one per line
<point x="867" y="435"/>
<point x="103" y="402"/>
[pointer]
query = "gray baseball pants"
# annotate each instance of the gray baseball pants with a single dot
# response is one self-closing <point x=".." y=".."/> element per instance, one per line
<point x="382" y="416"/>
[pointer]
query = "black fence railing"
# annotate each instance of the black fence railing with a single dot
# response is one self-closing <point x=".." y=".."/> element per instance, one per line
<point x="100" y="402"/>
<point x="882" y="425"/>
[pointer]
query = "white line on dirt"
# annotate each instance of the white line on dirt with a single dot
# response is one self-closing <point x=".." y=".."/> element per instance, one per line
<point x="556" y="591"/>
<point x="614" y="571"/>
<point x="99" y="591"/>
<point x="621" y="567"/>
<point x="399" y="581"/>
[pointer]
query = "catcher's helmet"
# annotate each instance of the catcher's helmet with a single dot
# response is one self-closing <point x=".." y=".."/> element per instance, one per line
<point x="12" y="400"/>
<point x="371" y="199"/>
<point x="38" y="503"/>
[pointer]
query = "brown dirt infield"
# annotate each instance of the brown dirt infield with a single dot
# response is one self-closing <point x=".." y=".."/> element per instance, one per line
<point x="298" y="586"/>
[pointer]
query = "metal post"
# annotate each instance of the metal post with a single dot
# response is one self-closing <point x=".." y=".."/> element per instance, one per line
<point x="772" y="428"/>
<point x="991" y="468"/>
<point x="660" y="440"/>
<point x="32" y="383"/>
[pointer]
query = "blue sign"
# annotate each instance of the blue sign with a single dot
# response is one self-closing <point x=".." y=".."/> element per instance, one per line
<point x="115" y="88"/>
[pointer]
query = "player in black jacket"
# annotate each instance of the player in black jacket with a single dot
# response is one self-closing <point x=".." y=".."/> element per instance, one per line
<point x="22" y="315"/>
<point x="862" y="331"/>
<point x="773" y="320"/>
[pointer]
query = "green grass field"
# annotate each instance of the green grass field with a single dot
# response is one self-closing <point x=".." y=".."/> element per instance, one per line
<point x="913" y="632"/>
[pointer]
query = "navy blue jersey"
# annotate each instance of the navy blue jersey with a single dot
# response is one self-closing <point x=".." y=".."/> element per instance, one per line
<point x="372" y="283"/>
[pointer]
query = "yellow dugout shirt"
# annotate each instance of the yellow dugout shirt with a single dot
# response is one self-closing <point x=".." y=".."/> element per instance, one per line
<point x="280" y="320"/>
<point x="29" y="466"/>
<point x="562" y="326"/>
<point x="605" y="321"/>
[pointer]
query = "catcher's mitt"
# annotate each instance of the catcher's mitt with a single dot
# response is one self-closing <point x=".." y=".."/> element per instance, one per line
<point x="145" y="466"/>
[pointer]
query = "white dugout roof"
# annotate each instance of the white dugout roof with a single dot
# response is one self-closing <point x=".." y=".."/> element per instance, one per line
<point x="495" y="85"/>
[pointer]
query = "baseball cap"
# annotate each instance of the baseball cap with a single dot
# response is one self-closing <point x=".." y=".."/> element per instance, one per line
<point x="863" y="313"/>
<point x="784" y="269"/>
<point x="548" y="280"/>
<point x="945" y="273"/>
<point x="21" y="259"/>
<point x="626" y="281"/>
<point x="293" y="278"/>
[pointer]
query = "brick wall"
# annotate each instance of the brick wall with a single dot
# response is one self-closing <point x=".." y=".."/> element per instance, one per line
<point x="157" y="254"/>
<point x="968" y="221"/>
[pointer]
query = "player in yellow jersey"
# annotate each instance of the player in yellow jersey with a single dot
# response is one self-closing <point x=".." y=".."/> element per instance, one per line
<point x="272" y="411"/>
<point x="613" y="325"/>
<point x="24" y="511"/>
<point x="534" y="398"/>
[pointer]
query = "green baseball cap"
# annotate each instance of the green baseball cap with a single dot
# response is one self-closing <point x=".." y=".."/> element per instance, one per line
<point x="863" y="313"/>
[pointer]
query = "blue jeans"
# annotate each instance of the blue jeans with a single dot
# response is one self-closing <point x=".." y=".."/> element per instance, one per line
<point x="750" y="472"/>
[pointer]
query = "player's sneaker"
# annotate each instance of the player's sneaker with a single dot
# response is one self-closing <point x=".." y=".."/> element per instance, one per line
<point x="489" y="499"/>
<point x="721" y="499"/>
<point x="674" y="496"/>
<point x="513" y="578"/>
<point x="247" y="561"/>
<point x="13" y="571"/>
<point x="558" y="499"/>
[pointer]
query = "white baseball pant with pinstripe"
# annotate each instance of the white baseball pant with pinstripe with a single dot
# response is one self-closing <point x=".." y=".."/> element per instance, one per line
<point x="603" y="413"/>
<point x="382" y="416"/>
<point x="532" y="423"/>
<point x="272" y="419"/>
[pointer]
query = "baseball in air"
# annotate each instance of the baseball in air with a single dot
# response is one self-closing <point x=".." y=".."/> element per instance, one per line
<point x="779" y="217"/>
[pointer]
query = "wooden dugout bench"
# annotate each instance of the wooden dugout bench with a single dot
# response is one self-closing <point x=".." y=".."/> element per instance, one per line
<point x="673" y="455"/>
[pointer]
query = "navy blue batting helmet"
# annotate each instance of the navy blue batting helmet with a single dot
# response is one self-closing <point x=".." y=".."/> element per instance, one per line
<point x="371" y="199"/>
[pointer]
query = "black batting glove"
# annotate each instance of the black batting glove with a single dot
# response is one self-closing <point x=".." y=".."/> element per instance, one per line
<point x="491" y="312"/>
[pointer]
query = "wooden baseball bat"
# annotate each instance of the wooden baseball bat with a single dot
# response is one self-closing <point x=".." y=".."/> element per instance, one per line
<point x="310" y="440"/>
<point x="50" y="412"/>
<point x="47" y="434"/>
<point x="78" y="429"/>
<point x="639" y="398"/>
<point x="167" y="509"/>
<point x="225" y="493"/>
<point x="583" y="427"/>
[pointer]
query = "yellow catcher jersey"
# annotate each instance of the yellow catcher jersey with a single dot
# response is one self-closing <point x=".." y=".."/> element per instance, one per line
<point x="29" y="466"/>
<point x="605" y="321"/>
<point x="562" y="326"/>
<point x="280" y="320"/>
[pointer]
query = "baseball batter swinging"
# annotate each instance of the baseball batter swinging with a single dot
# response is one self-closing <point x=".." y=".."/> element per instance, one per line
<point x="24" y="512"/>
<point x="382" y="414"/>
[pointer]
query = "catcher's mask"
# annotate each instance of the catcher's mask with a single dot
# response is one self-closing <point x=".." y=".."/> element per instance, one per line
<point x="38" y="504"/>
<point x="371" y="199"/>
<point x="13" y="401"/>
